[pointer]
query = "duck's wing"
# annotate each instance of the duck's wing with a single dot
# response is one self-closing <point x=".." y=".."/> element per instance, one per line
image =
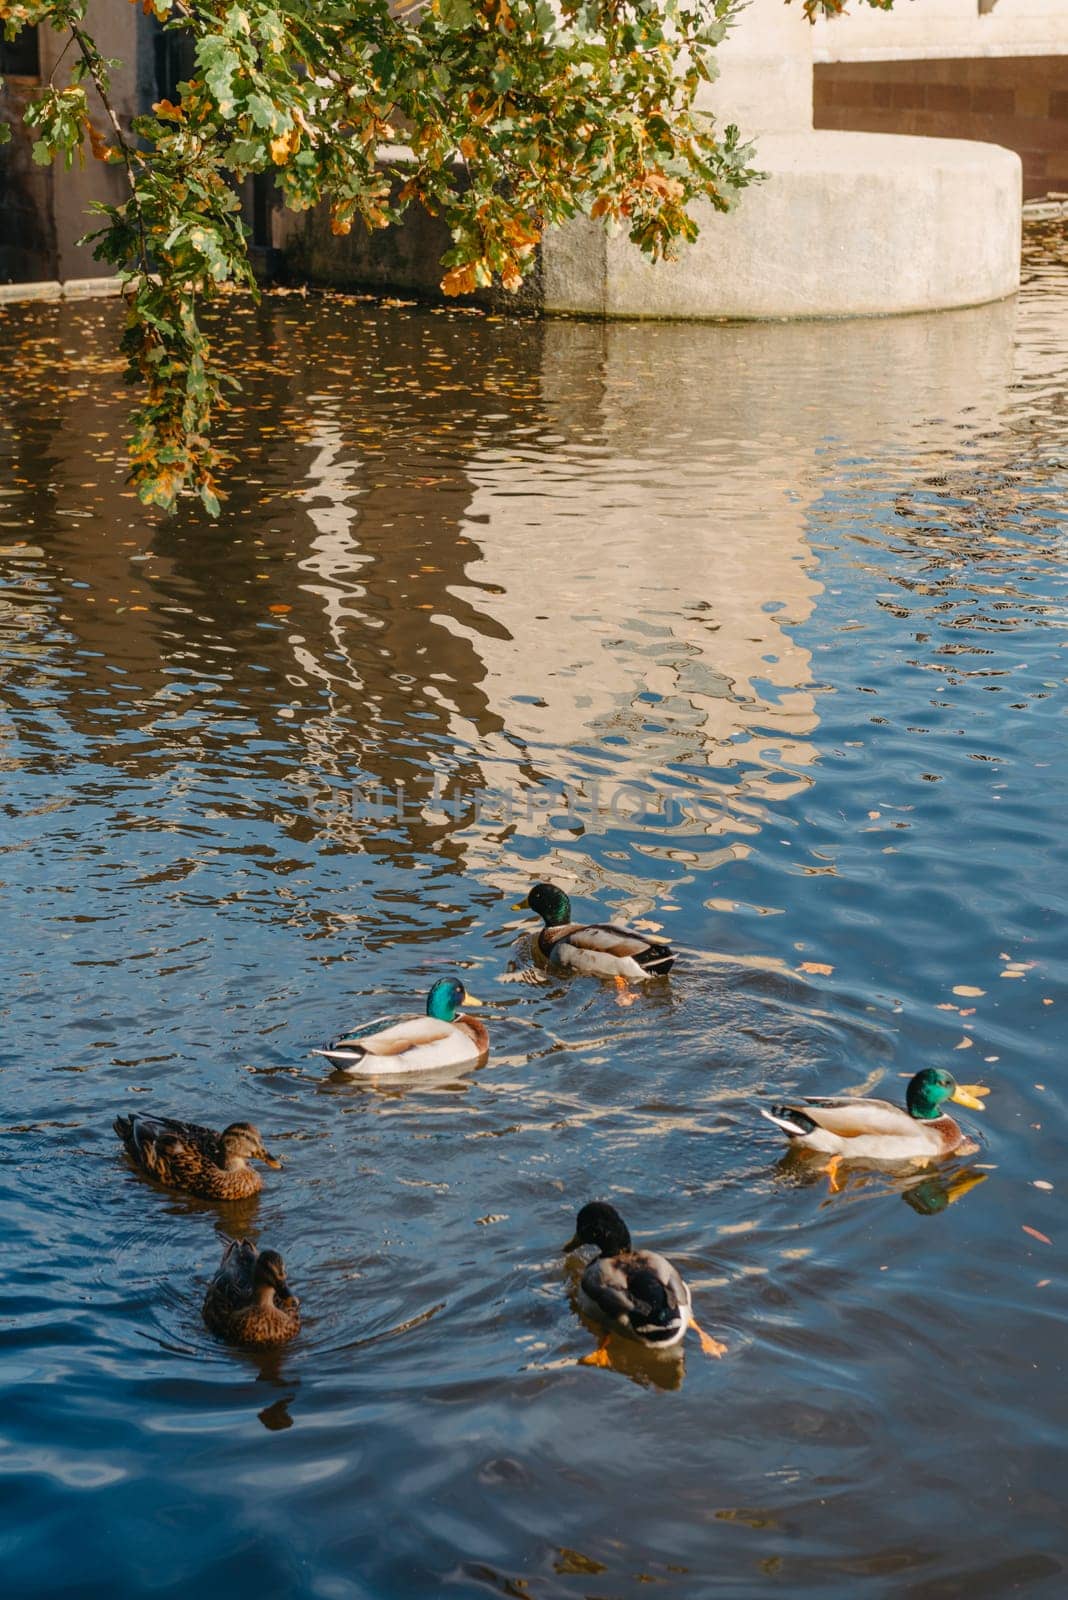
<point x="608" y="942"/>
<point x="147" y="1138"/>
<point x="640" y="1288"/>
<point x="858" y="1119"/>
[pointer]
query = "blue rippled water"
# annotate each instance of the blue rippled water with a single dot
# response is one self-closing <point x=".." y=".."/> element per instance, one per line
<point x="755" y="633"/>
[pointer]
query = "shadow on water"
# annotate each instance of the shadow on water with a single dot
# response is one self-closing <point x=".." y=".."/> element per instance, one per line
<point x="750" y="633"/>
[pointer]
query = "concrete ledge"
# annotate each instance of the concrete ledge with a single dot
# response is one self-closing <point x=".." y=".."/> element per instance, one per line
<point x="73" y="289"/>
<point x="92" y="288"/>
<point x="847" y="224"/>
<point x="10" y="292"/>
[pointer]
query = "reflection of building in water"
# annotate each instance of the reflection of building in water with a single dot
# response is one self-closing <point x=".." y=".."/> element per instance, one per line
<point x="653" y="564"/>
<point x="525" y="554"/>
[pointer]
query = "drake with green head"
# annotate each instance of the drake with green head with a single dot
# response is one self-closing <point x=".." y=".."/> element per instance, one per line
<point x="599" y="948"/>
<point x="441" y="1038"/>
<point x="636" y="1293"/>
<point x="877" y="1130"/>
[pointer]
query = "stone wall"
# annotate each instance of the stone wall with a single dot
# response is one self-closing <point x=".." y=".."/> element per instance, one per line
<point x="44" y="211"/>
<point x="27" y="228"/>
<point x="1017" y="101"/>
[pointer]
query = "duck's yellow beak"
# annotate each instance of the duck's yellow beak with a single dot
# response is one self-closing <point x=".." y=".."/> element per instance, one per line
<point x="469" y="1000"/>
<point x="968" y="1094"/>
<point x="520" y="905"/>
<point x="271" y="1161"/>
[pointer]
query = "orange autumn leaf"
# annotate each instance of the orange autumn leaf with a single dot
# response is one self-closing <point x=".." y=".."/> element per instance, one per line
<point x="1041" y="1237"/>
<point x="819" y="967"/>
<point x="98" y="143"/>
<point x="285" y="145"/>
<point x="661" y="184"/>
<point x="461" y="280"/>
<point x="279" y="608"/>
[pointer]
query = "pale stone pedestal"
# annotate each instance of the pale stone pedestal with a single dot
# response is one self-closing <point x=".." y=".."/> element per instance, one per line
<point x="846" y="224"/>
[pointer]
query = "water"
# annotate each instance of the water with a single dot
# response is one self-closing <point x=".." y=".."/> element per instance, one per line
<point x="751" y="632"/>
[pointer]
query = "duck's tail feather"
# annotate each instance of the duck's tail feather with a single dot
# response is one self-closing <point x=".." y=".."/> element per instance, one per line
<point x="346" y="1053"/>
<point x="657" y="958"/>
<point x="794" y="1123"/>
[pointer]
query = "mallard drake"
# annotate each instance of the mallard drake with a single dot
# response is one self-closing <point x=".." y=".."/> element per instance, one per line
<point x="249" y="1299"/>
<point x="877" y="1130"/>
<point x="441" y="1038"/>
<point x="199" y="1161"/>
<point x="632" y="1292"/>
<point x="598" y="948"/>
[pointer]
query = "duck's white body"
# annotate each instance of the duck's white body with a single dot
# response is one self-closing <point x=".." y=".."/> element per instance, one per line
<point x="413" y="1044"/>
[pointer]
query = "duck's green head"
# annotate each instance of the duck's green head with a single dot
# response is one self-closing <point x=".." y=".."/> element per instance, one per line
<point x="930" y="1089"/>
<point x="445" y="999"/>
<point x="600" y="1224"/>
<point x="551" y="904"/>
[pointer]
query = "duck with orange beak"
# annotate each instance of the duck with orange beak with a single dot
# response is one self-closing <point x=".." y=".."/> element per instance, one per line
<point x="877" y="1130"/>
<point x="442" y="1038"/>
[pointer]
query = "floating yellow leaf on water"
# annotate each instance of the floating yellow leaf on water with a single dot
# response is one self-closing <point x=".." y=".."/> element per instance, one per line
<point x="279" y="608"/>
<point x="1041" y="1237"/>
<point x="875" y="815"/>
<point x="967" y="989"/>
<point x="944" y="1005"/>
<point x="1043" y="1283"/>
<point x="819" y="967"/>
<point x="965" y="1044"/>
<point x="1013" y="972"/>
<point x="1040" y="1183"/>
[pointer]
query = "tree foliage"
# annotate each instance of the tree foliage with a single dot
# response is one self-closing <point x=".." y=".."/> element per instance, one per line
<point x="519" y="114"/>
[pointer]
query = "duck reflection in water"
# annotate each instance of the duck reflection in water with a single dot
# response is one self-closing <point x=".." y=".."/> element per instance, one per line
<point x="927" y="1192"/>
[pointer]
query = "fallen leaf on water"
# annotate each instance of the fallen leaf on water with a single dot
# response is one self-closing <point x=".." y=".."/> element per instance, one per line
<point x="944" y="1005"/>
<point x="967" y="1011"/>
<point x="875" y="815"/>
<point x="1041" y="1237"/>
<point x="967" y="989"/>
<point x="1047" y="1002"/>
<point x="819" y="967"/>
<point x="1043" y="1283"/>
<point x="279" y="608"/>
<point x="965" y="1044"/>
<point x="1041" y="1183"/>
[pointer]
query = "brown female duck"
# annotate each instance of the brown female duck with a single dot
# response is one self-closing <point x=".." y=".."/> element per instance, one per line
<point x="249" y="1300"/>
<point x="199" y="1161"/>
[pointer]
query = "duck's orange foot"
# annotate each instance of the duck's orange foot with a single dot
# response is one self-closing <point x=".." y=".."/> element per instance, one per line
<point x="710" y="1346"/>
<point x="596" y="1358"/>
